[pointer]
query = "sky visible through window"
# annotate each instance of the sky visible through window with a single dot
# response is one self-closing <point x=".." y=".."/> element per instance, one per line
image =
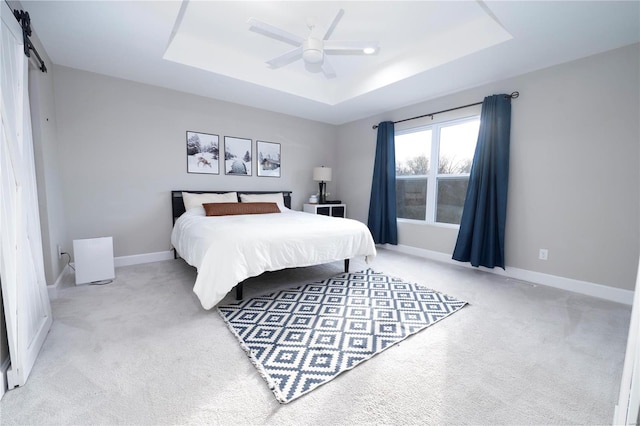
<point x="412" y="145"/>
<point x="457" y="143"/>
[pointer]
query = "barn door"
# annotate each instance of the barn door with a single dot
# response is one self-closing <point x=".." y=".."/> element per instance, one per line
<point x="24" y="290"/>
<point x="627" y="412"/>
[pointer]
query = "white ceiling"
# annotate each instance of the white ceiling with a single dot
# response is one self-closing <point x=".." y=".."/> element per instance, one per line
<point x="427" y="48"/>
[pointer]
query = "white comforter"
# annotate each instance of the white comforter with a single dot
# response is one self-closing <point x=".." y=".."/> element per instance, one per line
<point x="228" y="249"/>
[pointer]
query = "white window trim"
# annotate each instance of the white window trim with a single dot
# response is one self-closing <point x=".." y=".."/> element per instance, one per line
<point x="424" y="222"/>
<point x="433" y="175"/>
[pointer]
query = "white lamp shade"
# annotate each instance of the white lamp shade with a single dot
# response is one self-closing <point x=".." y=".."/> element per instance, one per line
<point x="322" y="174"/>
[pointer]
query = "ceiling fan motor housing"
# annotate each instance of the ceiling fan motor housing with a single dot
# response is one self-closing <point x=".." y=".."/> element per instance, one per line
<point x="312" y="51"/>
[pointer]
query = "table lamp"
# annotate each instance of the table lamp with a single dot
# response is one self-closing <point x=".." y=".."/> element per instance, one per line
<point x="323" y="175"/>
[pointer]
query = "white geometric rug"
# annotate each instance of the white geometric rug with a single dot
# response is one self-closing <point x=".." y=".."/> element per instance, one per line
<point x="303" y="337"/>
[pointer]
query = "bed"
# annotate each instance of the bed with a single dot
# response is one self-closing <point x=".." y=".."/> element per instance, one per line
<point x="228" y="249"/>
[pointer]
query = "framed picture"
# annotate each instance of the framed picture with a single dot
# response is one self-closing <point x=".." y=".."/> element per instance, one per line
<point x="202" y="153"/>
<point x="237" y="156"/>
<point x="268" y="158"/>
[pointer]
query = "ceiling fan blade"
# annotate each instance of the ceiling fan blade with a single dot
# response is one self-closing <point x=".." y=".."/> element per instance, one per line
<point x="286" y="58"/>
<point x="274" y="32"/>
<point x="338" y="45"/>
<point x="333" y="25"/>
<point x="327" y="69"/>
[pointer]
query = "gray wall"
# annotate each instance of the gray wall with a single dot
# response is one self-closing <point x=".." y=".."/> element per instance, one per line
<point x="45" y="149"/>
<point x="574" y="182"/>
<point x="574" y="169"/>
<point x="122" y="149"/>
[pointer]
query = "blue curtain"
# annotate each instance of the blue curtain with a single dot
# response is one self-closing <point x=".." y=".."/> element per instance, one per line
<point x="382" y="205"/>
<point x="481" y="235"/>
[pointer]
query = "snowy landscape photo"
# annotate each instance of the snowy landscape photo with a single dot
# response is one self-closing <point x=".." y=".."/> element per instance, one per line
<point x="268" y="158"/>
<point x="202" y="153"/>
<point x="237" y="156"/>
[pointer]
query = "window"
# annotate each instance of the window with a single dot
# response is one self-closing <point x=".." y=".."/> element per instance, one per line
<point x="434" y="194"/>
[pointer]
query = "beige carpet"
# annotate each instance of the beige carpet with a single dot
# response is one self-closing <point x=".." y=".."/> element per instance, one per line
<point x="142" y="351"/>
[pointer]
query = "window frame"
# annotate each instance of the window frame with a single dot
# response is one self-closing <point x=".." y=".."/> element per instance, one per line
<point x="433" y="175"/>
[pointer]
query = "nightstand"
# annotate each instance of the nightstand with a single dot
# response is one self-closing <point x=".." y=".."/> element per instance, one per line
<point x="335" y="210"/>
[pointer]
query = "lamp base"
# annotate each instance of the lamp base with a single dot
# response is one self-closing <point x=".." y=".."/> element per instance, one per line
<point x="322" y="193"/>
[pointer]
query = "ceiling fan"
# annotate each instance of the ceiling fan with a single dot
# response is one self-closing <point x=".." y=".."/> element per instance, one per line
<point x="315" y="47"/>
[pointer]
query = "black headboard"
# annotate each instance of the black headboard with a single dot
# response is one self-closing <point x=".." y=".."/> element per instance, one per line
<point x="177" y="205"/>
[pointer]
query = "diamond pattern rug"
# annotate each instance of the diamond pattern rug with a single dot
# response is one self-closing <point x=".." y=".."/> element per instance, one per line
<point x="303" y="337"/>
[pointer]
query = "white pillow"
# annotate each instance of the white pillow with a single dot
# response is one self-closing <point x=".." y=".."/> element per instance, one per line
<point x="275" y="197"/>
<point x="192" y="200"/>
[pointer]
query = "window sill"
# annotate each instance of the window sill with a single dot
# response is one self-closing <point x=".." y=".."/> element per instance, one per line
<point x="424" y="222"/>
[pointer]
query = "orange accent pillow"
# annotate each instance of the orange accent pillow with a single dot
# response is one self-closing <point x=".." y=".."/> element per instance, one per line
<point x="227" y="209"/>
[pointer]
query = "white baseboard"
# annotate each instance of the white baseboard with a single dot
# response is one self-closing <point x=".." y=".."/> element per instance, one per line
<point x="137" y="259"/>
<point x="52" y="289"/>
<point x="64" y="272"/>
<point x="583" y="287"/>
<point x="118" y="261"/>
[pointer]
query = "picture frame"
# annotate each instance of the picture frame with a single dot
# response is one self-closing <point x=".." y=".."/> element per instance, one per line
<point x="203" y="153"/>
<point x="238" y="156"/>
<point x="268" y="159"/>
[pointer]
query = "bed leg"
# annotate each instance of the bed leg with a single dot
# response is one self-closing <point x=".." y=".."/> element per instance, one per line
<point x="346" y="265"/>
<point x="239" y="291"/>
<point x="175" y="253"/>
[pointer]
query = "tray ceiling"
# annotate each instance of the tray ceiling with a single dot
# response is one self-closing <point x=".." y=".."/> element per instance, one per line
<point x="427" y="48"/>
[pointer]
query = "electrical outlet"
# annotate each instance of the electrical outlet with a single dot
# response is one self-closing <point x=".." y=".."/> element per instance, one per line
<point x="59" y="251"/>
<point x="543" y="254"/>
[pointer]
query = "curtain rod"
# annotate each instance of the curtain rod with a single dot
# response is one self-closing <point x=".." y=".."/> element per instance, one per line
<point x="25" y="22"/>
<point x="513" y="95"/>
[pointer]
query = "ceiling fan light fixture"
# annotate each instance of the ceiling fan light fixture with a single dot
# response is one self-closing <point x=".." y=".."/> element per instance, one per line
<point x="312" y="51"/>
